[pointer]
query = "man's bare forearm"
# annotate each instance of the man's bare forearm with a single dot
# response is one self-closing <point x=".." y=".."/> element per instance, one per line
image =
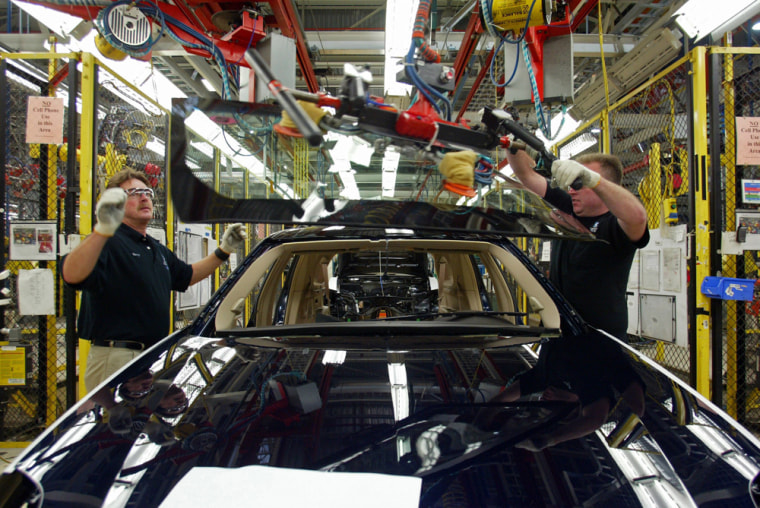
<point x="80" y="262"/>
<point x="522" y="165"/>
<point x="626" y="207"/>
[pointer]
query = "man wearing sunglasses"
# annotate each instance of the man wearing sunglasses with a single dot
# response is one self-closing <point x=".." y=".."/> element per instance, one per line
<point x="126" y="276"/>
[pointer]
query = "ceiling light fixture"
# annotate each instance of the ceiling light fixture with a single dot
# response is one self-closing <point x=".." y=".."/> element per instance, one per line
<point x="399" y="22"/>
<point x="390" y="166"/>
<point x="702" y="18"/>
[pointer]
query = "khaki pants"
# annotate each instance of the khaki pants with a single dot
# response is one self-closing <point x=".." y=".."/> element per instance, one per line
<point x="104" y="361"/>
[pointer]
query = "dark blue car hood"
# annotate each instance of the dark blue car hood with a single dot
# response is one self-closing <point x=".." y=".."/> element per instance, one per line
<point x="132" y="448"/>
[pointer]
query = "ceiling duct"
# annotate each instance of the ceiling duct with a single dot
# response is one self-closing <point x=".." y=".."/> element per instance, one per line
<point x="647" y="58"/>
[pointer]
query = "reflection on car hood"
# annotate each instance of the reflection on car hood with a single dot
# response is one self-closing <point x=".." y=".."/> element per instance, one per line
<point x="225" y="405"/>
<point x="513" y="210"/>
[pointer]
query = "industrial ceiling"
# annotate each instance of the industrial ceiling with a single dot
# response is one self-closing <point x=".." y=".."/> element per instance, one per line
<point x="329" y="33"/>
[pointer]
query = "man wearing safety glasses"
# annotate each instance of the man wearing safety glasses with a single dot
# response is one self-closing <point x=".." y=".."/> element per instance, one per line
<point x="126" y="276"/>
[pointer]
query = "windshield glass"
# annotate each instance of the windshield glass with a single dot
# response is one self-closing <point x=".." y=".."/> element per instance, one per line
<point x="360" y="174"/>
<point x="335" y="279"/>
<point x="446" y="436"/>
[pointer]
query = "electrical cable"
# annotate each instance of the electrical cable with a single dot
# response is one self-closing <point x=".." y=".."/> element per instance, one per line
<point x="503" y="39"/>
<point x="601" y="55"/>
<point x="430" y="55"/>
<point x="540" y="119"/>
<point x="416" y="81"/>
<point x="247" y="47"/>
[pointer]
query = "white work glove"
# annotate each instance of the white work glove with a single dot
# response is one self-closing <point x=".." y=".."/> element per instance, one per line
<point x="233" y="238"/>
<point x="564" y="173"/>
<point x="110" y="211"/>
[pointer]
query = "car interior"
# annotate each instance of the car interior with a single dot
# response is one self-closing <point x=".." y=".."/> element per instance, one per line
<point x="360" y="280"/>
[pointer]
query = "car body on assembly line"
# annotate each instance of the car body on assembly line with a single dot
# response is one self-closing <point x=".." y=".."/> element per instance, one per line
<point x="334" y="350"/>
<point x="352" y="361"/>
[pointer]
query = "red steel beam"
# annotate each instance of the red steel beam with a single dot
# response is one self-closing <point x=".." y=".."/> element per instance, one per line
<point x="469" y="43"/>
<point x="584" y="11"/>
<point x="476" y="84"/>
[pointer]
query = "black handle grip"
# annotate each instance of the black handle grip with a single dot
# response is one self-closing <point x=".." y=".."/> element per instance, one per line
<point x="530" y="139"/>
<point x="303" y="122"/>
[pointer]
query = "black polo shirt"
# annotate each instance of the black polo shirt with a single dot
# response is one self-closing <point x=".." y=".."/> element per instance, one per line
<point x="593" y="276"/>
<point x="128" y="294"/>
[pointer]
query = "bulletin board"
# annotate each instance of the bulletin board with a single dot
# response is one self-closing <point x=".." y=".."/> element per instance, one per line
<point x="656" y="294"/>
<point x="33" y="240"/>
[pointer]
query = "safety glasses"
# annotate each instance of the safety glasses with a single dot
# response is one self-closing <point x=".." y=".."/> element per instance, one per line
<point x="140" y="192"/>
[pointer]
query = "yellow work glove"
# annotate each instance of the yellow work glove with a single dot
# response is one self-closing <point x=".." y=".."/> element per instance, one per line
<point x="315" y="113"/>
<point x="459" y="167"/>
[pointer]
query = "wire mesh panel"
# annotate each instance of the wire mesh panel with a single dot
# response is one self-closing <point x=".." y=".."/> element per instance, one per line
<point x="649" y="134"/>
<point x="32" y="363"/>
<point x="739" y="103"/>
<point x="39" y="362"/>
<point x="131" y="133"/>
<point x="587" y="139"/>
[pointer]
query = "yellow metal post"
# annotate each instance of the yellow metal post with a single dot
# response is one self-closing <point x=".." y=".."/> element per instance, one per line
<point x="86" y="172"/>
<point x="169" y="225"/>
<point x="251" y="230"/>
<point x="728" y="161"/>
<point x="217" y="187"/>
<point x="300" y="168"/>
<point x="52" y="332"/>
<point x="604" y="125"/>
<point x="702" y="218"/>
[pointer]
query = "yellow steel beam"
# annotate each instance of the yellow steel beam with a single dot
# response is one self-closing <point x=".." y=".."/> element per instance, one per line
<point x="217" y="187"/>
<point x="700" y="169"/>
<point x="87" y="171"/>
<point x="730" y="262"/>
<point x="51" y="358"/>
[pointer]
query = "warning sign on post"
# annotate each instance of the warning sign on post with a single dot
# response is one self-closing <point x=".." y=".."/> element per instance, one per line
<point x="12" y="366"/>
<point x="747" y="141"/>
<point x="44" y="120"/>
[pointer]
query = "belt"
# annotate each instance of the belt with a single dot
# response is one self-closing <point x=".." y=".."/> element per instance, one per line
<point x="127" y="344"/>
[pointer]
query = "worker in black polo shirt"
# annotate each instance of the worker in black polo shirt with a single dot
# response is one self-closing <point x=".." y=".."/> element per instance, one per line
<point x="593" y="276"/>
<point x="126" y="276"/>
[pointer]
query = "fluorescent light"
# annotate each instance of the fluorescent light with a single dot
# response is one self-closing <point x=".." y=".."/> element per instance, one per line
<point x="203" y="148"/>
<point x="58" y="22"/>
<point x="155" y="145"/>
<point x="332" y="357"/>
<point x="390" y="165"/>
<point x="136" y="72"/>
<point x="399" y="22"/>
<point x="399" y="390"/>
<point x="206" y="83"/>
<point x="397" y="373"/>
<point x="23" y="82"/>
<point x="577" y="145"/>
<point x="756" y="27"/>
<point x="359" y="151"/>
<point x="702" y="18"/>
<point x="230" y="147"/>
<point x="350" y="189"/>
<point x="559" y="129"/>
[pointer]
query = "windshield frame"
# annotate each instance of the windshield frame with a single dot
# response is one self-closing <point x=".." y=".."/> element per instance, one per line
<point x="528" y="215"/>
